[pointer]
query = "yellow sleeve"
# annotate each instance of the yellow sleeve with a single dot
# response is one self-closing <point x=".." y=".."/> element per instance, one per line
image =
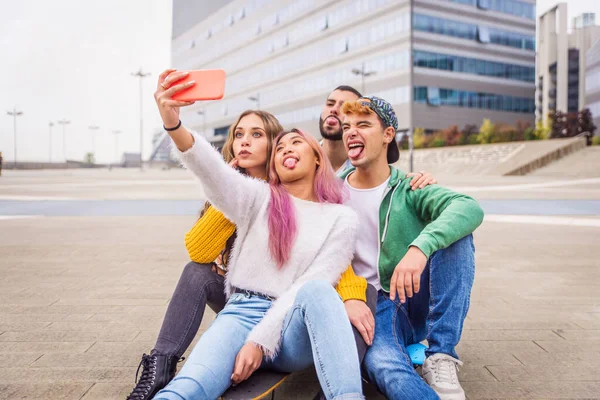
<point x="207" y="238"/>
<point x="352" y="286"/>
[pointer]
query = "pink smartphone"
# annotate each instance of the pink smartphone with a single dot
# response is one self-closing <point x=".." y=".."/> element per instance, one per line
<point x="210" y="85"/>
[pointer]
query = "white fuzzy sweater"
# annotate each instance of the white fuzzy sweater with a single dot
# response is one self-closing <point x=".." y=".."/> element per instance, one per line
<point x="323" y="248"/>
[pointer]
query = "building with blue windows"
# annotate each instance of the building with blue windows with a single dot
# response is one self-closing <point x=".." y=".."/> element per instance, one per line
<point x="592" y="83"/>
<point x="561" y="62"/>
<point x="439" y="62"/>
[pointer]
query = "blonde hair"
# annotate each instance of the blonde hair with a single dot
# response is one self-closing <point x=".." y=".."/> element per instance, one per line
<point x="272" y="129"/>
<point x="356" y="107"/>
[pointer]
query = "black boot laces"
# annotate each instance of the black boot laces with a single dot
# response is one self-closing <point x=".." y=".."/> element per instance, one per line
<point x="146" y="381"/>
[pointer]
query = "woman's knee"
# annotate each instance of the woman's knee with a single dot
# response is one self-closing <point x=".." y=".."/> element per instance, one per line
<point x="316" y="291"/>
<point x="194" y="270"/>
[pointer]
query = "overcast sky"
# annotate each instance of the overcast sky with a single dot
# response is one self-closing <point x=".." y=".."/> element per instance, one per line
<point x="73" y="59"/>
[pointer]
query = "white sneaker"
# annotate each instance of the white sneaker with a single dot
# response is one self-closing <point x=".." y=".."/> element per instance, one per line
<point x="440" y="371"/>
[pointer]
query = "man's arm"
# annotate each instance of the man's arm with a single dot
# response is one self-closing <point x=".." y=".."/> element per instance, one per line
<point x="452" y="215"/>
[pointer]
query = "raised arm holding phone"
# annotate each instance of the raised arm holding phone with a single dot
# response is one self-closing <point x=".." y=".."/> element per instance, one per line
<point x="282" y="268"/>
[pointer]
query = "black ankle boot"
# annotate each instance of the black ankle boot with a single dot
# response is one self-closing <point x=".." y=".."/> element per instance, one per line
<point x="158" y="370"/>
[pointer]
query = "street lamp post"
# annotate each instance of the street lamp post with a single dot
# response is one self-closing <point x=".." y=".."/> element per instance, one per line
<point x="14" y="113"/>
<point x="411" y="149"/>
<point x="203" y="113"/>
<point x="256" y="99"/>
<point x="64" y="122"/>
<point x="50" y="125"/>
<point x="363" y="73"/>
<point x="93" y="129"/>
<point x="116" y="133"/>
<point x="141" y="75"/>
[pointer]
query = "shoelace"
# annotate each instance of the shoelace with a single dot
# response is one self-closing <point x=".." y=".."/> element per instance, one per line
<point x="446" y="370"/>
<point x="142" y="388"/>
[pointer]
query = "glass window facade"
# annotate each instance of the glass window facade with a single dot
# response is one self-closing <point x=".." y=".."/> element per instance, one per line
<point x="441" y="26"/>
<point x="446" y="62"/>
<point x="484" y="101"/>
<point x="396" y="96"/>
<point x="592" y="80"/>
<point x="321" y="80"/>
<point x="513" y="7"/>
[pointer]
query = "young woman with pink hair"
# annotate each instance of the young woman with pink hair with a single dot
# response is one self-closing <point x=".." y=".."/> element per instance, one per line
<point x="294" y="240"/>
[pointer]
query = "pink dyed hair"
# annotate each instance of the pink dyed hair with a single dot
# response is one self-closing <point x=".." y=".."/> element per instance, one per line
<point x="328" y="188"/>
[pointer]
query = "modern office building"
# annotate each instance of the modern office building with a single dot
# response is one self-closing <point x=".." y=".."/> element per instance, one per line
<point x="592" y="83"/>
<point x="561" y="62"/>
<point x="439" y="62"/>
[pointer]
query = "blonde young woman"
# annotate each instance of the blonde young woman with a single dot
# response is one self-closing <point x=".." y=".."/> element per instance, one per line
<point x="294" y="240"/>
<point x="247" y="147"/>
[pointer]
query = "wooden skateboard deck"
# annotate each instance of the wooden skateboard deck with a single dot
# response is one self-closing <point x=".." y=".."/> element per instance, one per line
<point x="258" y="386"/>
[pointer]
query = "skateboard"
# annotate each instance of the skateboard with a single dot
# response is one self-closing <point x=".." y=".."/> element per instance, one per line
<point x="417" y="353"/>
<point x="261" y="384"/>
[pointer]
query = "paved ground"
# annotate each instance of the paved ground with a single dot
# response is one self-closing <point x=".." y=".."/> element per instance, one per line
<point x="83" y="291"/>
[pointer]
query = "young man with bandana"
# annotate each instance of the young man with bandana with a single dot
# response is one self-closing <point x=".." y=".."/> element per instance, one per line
<point x="360" y="312"/>
<point x="416" y="249"/>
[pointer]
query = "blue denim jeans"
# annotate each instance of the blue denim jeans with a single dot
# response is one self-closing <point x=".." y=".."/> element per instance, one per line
<point x="316" y="331"/>
<point x="436" y="313"/>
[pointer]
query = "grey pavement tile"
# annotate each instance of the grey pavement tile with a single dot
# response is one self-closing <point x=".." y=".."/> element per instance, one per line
<point x="22" y="326"/>
<point x="103" y="326"/>
<point x="22" y="359"/>
<point x="571" y="346"/>
<point x="68" y="336"/>
<point x="62" y="310"/>
<point x="486" y="353"/>
<point x="42" y="317"/>
<point x="579" y="334"/>
<point x="126" y="317"/>
<point x="111" y="301"/>
<point x="45" y="347"/>
<point x="532" y="390"/>
<point x="476" y="373"/>
<point x="54" y="391"/>
<point x="503" y="323"/>
<point x="146" y="336"/>
<point x="67" y="374"/>
<point x="509" y="334"/>
<point x="538" y="373"/>
<point x="27" y="299"/>
<point x="54" y="360"/>
<point x="120" y="347"/>
<point x="108" y="391"/>
<point x="573" y="358"/>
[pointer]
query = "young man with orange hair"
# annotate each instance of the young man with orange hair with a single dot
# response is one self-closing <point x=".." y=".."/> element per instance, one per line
<point x="416" y="248"/>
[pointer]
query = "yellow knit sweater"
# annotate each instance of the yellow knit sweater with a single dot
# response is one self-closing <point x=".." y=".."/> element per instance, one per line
<point x="207" y="239"/>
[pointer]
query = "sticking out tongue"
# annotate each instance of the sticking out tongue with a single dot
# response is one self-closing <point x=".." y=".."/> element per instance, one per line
<point x="290" y="163"/>
<point x="332" y="121"/>
<point x="355" y="152"/>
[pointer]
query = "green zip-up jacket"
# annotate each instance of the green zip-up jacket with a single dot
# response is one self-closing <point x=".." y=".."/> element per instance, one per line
<point x="431" y="218"/>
